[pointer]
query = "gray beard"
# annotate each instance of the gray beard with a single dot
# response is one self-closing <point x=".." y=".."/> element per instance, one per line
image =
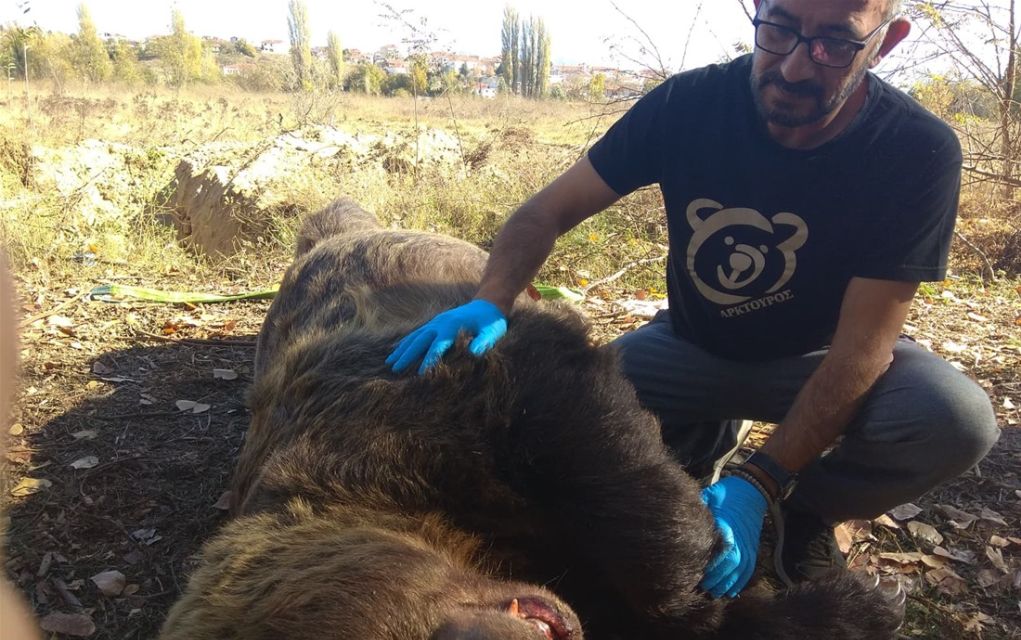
<point x="823" y="106"/>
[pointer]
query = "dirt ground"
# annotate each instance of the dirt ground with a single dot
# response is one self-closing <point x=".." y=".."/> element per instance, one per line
<point x="108" y="471"/>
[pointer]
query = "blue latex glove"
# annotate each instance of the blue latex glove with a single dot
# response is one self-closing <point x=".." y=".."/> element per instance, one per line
<point x="480" y="318"/>
<point x="738" y="508"/>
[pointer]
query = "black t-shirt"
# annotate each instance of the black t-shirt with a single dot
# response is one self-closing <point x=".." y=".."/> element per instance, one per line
<point x="764" y="239"/>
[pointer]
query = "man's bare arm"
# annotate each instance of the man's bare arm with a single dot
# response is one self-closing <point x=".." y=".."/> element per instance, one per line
<point x="871" y="318"/>
<point x="528" y="236"/>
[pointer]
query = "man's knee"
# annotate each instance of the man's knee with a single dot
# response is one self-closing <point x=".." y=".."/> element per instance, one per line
<point x="961" y="425"/>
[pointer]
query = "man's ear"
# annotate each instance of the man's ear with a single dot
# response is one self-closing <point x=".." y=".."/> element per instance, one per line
<point x="895" y="32"/>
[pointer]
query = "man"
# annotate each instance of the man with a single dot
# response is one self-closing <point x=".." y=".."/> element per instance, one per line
<point x="805" y="199"/>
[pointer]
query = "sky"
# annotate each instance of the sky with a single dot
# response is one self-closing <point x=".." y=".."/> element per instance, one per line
<point x="579" y="29"/>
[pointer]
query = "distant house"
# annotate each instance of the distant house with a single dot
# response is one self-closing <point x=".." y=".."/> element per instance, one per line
<point x="487" y="87"/>
<point x="355" y="56"/>
<point x="230" y="70"/>
<point x="274" y="46"/>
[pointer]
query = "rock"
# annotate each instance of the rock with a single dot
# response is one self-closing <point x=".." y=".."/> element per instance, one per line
<point x="229" y="195"/>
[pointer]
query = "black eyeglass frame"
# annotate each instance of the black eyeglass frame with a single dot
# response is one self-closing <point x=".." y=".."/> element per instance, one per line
<point x="857" y="44"/>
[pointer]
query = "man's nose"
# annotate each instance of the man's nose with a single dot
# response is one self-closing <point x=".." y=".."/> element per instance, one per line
<point x="798" y="65"/>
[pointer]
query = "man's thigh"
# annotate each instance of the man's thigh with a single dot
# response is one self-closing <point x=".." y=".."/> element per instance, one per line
<point x="683" y="383"/>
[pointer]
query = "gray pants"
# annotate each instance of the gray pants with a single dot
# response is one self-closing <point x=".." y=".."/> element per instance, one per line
<point x="922" y="423"/>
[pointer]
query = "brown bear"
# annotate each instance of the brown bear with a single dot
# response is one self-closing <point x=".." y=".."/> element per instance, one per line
<point x="375" y="506"/>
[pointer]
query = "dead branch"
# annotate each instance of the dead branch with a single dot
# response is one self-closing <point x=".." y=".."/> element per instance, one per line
<point x="620" y="273"/>
<point x="981" y="254"/>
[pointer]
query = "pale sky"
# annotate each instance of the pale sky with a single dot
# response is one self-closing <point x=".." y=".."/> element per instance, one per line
<point x="578" y="28"/>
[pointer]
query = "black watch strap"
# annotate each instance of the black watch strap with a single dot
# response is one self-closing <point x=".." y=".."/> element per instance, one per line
<point x="783" y="478"/>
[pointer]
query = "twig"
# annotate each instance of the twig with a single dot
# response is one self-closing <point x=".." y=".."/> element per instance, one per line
<point x="981" y="254"/>
<point x="46" y="314"/>
<point x="125" y="416"/>
<point x="195" y="342"/>
<point x="620" y="273"/>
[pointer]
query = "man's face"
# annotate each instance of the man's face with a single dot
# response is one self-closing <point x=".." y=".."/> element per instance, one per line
<point x="792" y="90"/>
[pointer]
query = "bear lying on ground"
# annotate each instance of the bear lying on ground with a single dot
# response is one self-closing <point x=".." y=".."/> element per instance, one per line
<point x="375" y="506"/>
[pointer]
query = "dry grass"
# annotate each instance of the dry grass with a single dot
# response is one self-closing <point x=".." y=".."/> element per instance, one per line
<point x="157" y="464"/>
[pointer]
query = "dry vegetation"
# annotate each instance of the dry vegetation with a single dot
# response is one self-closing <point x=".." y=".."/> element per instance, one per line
<point x="106" y="473"/>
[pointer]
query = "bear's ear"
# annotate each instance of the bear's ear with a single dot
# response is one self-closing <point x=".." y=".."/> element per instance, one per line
<point x="696" y="206"/>
<point x="794" y="230"/>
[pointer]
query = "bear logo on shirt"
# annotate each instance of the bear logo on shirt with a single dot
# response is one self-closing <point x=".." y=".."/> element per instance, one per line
<point x="737" y="254"/>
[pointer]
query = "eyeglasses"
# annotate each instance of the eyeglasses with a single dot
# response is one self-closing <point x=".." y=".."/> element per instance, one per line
<point x="836" y="53"/>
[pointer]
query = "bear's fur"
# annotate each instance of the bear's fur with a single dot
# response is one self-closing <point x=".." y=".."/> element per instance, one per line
<point x="376" y="506"/>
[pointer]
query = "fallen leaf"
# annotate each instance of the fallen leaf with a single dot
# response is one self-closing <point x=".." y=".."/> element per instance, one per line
<point x="131" y="589"/>
<point x="987" y="578"/>
<point x="110" y="583"/>
<point x="101" y="369"/>
<point x="996" y="557"/>
<point x="958" y="555"/>
<point x="977" y="623"/>
<point x="45" y="564"/>
<point x="999" y="542"/>
<point x="953" y="347"/>
<point x="72" y="624"/>
<point x="976" y="317"/>
<point x="28" y="486"/>
<point x="143" y="534"/>
<point x="958" y="519"/>
<point x="1007" y="404"/>
<point x="947" y="581"/>
<point x="988" y="515"/>
<point x="905" y="512"/>
<point x="886" y="521"/>
<point x="191" y="405"/>
<point x="61" y="322"/>
<point x="925" y="533"/>
<point x="16" y="429"/>
<point x="85" y="463"/>
<point x="225" y="374"/>
<point x="909" y="557"/>
<point x="845" y="539"/>
<point x="87" y="434"/>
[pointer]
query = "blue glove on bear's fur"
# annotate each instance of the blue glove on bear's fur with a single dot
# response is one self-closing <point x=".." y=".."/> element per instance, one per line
<point x="480" y="318"/>
<point x="738" y="508"/>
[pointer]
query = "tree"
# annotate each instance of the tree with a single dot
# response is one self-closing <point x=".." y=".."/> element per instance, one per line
<point x="543" y="62"/>
<point x="125" y="63"/>
<point x="367" y="78"/>
<point x="180" y="53"/>
<point x="509" y="47"/>
<point x="335" y="55"/>
<point x="89" y="55"/>
<point x="983" y="41"/>
<point x="597" y="87"/>
<point x="301" y="49"/>
<point x="245" y="48"/>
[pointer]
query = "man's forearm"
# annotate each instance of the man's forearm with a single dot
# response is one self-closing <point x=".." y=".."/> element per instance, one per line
<point x="823" y="408"/>
<point x="519" y="250"/>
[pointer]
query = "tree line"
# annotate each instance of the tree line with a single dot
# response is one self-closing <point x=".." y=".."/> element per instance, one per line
<point x="525" y="60"/>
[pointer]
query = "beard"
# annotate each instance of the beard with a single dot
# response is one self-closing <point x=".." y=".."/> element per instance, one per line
<point x="784" y="114"/>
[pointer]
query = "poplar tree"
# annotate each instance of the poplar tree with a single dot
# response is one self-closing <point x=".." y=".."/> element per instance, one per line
<point x="301" y="48"/>
<point x="89" y="55"/>
<point x="509" y="47"/>
<point x="336" y="57"/>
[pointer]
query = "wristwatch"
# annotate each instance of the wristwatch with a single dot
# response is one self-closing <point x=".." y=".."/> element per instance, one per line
<point x="784" y="479"/>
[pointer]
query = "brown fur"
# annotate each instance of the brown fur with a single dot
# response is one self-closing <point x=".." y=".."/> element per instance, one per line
<point x="382" y="507"/>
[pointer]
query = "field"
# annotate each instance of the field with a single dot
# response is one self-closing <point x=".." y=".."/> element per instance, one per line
<point x="108" y="470"/>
